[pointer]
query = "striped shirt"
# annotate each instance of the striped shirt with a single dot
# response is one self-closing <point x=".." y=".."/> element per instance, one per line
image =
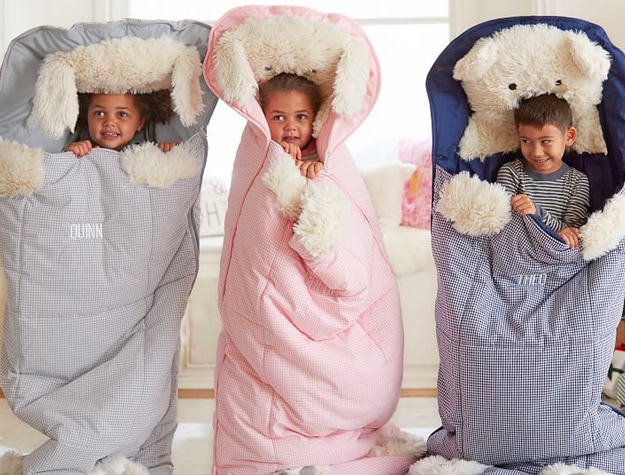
<point x="561" y="198"/>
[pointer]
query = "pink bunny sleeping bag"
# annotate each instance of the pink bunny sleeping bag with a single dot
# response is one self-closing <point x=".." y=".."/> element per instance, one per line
<point x="311" y="353"/>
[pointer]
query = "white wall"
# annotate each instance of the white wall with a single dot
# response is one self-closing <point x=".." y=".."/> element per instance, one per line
<point x="606" y="13"/>
<point x="17" y="16"/>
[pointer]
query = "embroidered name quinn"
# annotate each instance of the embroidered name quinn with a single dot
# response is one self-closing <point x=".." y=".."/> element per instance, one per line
<point x="86" y="231"/>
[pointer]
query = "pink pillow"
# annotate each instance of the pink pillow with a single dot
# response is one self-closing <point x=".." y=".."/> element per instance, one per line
<point x="417" y="202"/>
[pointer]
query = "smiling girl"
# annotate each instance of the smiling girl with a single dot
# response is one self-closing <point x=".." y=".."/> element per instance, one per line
<point x="112" y="120"/>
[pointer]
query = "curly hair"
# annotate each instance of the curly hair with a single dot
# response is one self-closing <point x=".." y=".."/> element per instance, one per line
<point x="154" y="107"/>
<point x="289" y="82"/>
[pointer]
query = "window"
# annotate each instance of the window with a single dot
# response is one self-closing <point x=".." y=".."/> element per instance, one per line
<point x="407" y="37"/>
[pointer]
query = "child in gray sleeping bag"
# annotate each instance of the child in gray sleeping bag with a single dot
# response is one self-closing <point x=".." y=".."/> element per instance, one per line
<point x="112" y="120"/>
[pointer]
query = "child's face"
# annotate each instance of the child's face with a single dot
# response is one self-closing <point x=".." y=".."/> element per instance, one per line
<point x="544" y="148"/>
<point x="290" y="117"/>
<point x="113" y="120"/>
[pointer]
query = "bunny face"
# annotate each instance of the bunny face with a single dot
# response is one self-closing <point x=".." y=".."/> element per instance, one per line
<point x="524" y="61"/>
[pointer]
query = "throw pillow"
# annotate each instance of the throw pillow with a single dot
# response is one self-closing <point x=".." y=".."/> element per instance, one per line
<point x="417" y="199"/>
<point x="385" y="184"/>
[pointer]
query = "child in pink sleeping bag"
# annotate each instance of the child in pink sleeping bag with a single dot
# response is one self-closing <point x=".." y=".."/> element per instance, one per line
<point x="290" y="104"/>
<point x="310" y="357"/>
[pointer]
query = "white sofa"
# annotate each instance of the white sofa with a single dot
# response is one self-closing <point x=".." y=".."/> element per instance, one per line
<point x="417" y="289"/>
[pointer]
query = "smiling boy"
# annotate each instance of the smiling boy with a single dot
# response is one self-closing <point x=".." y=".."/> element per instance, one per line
<point x="540" y="182"/>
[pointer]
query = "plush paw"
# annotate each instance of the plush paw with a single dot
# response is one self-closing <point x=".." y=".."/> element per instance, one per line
<point x="21" y="169"/>
<point x="475" y="207"/>
<point x="11" y="463"/>
<point x="604" y="229"/>
<point x="118" y="465"/>
<point x="145" y="164"/>
<point x="323" y="221"/>
<point x="286" y="181"/>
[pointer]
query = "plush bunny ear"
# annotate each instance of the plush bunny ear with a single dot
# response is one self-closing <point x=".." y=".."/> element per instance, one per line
<point x="55" y="103"/>
<point x="233" y="71"/>
<point x="258" y="48"/>
<point x="121" y="65"/>
<point x="352" y="77"/>
<point x="591" y="58"/>
<point x="477" y="61"/>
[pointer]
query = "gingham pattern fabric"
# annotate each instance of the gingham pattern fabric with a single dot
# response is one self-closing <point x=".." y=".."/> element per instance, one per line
<point x="99" y="272"/>
<point x="525" y="329"/>
<point x="310" y="358"/>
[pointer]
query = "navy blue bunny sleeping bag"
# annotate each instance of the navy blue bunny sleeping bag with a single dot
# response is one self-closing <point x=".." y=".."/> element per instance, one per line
<point x="525" y="324"/>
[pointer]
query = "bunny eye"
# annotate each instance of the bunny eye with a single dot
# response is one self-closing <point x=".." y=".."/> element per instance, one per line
<point x="512" y="86"/>
<point x="268" y="68"/>
<point x="559" y="82"/>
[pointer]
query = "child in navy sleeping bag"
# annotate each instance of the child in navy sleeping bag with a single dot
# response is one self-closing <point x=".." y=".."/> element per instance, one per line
<point x="540" y="182"/>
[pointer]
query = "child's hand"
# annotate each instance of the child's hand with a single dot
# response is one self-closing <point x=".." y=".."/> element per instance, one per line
<point x="570" y="236"/>
<point x="309" y="168"/>
<point x="167" y="146"/>
<point x="523" y="204"/>
<point x="80" y="149"/>
<point x="292" y="149"/>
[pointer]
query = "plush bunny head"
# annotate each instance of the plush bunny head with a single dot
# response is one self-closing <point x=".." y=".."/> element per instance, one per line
<point x="119" y="65"/>
<point x="524" y="61"/>
<point x="259" y="48"/>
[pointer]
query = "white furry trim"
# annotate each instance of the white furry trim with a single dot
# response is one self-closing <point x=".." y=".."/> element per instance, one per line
<point x="116" y="66"/>
<point x="21" y="169"/>
<point x="118" y="465"/>
<point x="604" y="229"/>
<point x="323" y="221"/>
<point x="437" y="465"/>
<point x="11" y="463"/>
<point x="145" y="164"/>
<point x="475" y="207"/>
<point x="286" y="181"/>
<point x="260" y="48"/>
<point x="562" y="469"/>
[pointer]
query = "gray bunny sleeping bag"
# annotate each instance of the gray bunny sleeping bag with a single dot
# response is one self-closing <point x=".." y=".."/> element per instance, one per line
<point x="100" y="253"/>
